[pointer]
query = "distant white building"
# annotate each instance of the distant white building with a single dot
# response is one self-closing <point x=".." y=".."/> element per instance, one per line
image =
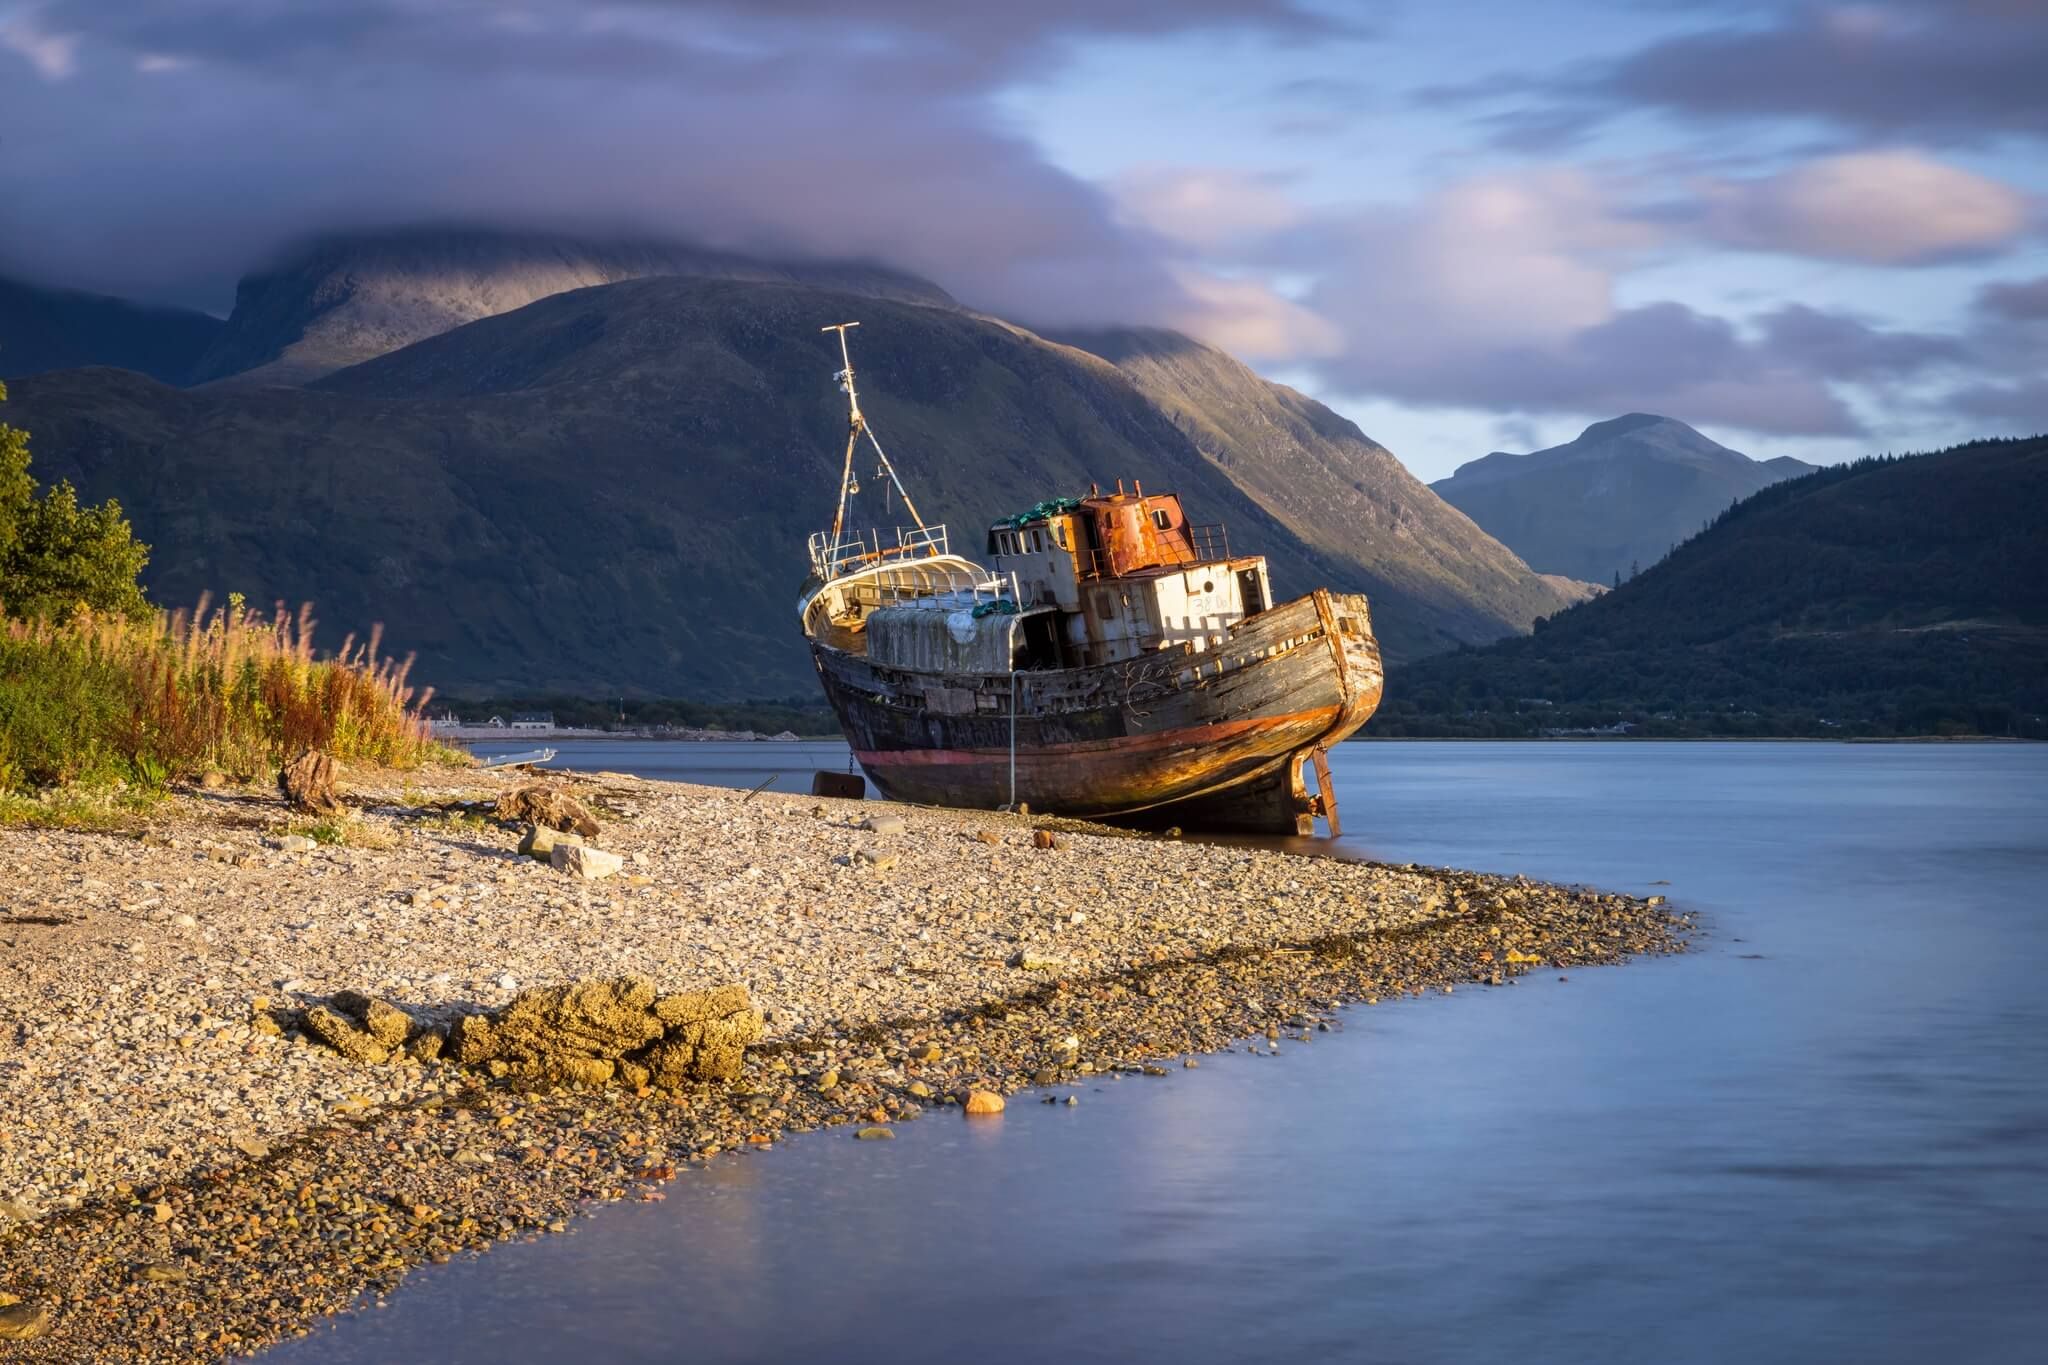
<point x="531" y="720"/>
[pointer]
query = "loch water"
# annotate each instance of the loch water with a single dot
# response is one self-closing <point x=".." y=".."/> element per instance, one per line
<point x="1821" y="1135"/>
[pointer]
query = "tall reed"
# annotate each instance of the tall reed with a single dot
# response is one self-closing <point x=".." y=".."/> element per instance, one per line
<point x="181" y="693"/>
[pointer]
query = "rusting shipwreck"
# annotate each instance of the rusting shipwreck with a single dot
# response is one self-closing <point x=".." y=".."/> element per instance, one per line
<point x="1115" y="662"/>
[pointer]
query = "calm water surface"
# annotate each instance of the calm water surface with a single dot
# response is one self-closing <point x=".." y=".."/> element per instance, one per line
<point x="1823" y="1136"/>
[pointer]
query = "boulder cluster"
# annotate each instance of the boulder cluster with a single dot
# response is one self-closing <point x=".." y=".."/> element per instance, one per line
<point x="588" y="1032"/>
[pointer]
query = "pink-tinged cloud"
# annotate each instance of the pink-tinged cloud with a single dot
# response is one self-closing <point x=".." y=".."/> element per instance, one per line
<point x="1892" y="207"/>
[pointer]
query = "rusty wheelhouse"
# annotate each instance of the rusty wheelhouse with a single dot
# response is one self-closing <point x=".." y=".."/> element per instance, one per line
<point x="1116" y="662"/>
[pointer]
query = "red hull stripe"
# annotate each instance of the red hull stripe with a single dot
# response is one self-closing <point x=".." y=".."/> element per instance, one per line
<point x="1133" y="744"/>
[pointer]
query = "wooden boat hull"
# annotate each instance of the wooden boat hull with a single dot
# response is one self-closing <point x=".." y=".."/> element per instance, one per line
<point x="1210" y="740"/>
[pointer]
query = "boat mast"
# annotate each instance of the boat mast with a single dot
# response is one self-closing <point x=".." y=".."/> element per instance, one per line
<point x="857" y="427"/>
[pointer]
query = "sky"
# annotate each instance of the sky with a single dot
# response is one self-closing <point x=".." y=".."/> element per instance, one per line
<point x="1808" y="228"/>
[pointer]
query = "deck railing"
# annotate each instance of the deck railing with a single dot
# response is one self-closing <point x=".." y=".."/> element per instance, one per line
<point x="854" y="551"/>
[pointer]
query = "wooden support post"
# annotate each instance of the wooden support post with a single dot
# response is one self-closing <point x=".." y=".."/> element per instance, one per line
<point x="1327" y="791"/>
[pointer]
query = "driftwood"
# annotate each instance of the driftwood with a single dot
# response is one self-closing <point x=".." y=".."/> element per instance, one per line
<point x="307" y="783"/>
<point x="550" y="806"/>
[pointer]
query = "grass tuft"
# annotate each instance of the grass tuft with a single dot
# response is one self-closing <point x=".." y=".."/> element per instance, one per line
<point x="101" y="700"/>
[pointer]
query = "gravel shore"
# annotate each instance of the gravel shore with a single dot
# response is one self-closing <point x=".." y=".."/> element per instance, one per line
<point x="180" y="1181"/>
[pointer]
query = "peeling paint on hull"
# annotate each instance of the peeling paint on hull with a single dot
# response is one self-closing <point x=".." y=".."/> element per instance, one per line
<point x="1210" y="740"/>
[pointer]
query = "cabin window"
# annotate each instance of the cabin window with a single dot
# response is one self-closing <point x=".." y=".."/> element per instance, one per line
<point x="1037" y="539"/>
<point x="1059" y="536"/>
<point x="1160" y="519"/>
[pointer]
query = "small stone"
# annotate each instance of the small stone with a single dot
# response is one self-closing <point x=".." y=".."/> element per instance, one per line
<point x="984" y="1102"/>
<point x="875" y="1133"/>
<point x="1045" y="838"/>
<point x="24" y="1321"/>
<point x="920" y="1089"/>
<point x="163" y="1212"/>
<point x="540" y="841"/>
<point x="296" y="843"/>
<point x="829" y="1081"/>
<point x="987" y="836"/>
<point x="1032" y="960"/>
<point x="580" y="860"/>
<point x="253" y="1148"/>
<point x="885" y="824"/>
<point x="212" y="781"/>
<point x="161" y="1272"/>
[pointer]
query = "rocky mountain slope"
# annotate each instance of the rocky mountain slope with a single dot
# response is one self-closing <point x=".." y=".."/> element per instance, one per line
<point x="611" y="488"/>
<point x="344" y="299"/>
<point x="1890" y="596"/>
<point x="56" y="329"/>
<point x="1438" y="579"/>
<point x="1614" y="500"/>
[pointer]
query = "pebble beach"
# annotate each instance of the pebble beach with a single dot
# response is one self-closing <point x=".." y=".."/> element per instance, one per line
<point x="184" y="1175"/>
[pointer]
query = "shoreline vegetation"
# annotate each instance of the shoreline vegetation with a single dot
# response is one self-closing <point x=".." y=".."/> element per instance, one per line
<point x="185" y="1175"/>
<point x="101" y="714"/>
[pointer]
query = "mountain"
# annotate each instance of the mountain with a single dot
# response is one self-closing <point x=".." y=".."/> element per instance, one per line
<point x="610" y="489"/>
<point x="1436" y="579"/>
<point x="58" y="329"/>
<point x="1890" y="596"/>
<point x="344" y="299"/>
<point x="1612" y="501"/>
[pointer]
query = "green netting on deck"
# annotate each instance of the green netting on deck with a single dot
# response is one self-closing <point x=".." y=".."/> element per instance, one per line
<point x="1051" y="507"/>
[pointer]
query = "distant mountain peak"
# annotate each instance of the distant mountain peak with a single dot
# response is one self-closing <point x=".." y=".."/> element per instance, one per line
<point x="1626" y="423"/>
<point x="1615" y="499"/>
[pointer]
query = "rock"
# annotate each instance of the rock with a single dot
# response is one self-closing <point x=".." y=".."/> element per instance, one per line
<point x="427" y="1047"/>
<point x="885" y="824"/>
<point x="539" y="841"/>
<point x="881" y="862"/>
<point x="987" y="836"/>
<point x="920" y="1089"/>
<point x="550" y="806"/>
<point x="296" y="843"/>
<point x="1045" y="838"/>
<point x="24" y="1321"/>
<point x="344" y="1036"/>
<point x="387" y="1023"/>
<point x="829" y="1081"/>
<point x="1032" y="960"/>
<point x="307" y="783"/>
<point x="161" y="1272"/>
<point x="580" y="860"/>
<point x="212" y="780"/>
<point x="984" y="1102"/>
<point x="602" y="1017"/>
<point x="875" y="1133"/>
<point x="695" y="1006"/>
<point x="472" y="1039"/>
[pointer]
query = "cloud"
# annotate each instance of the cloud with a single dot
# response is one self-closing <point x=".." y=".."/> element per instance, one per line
<point x="1499" y="294"/>
<point x="1205" y="208"/>
<point x="54" y="55"/>
<point x="189" y="139"/>
<point x="1892" y="207"/>
<point x="2016" y="301"/>
<point x="1940" y="70"/>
